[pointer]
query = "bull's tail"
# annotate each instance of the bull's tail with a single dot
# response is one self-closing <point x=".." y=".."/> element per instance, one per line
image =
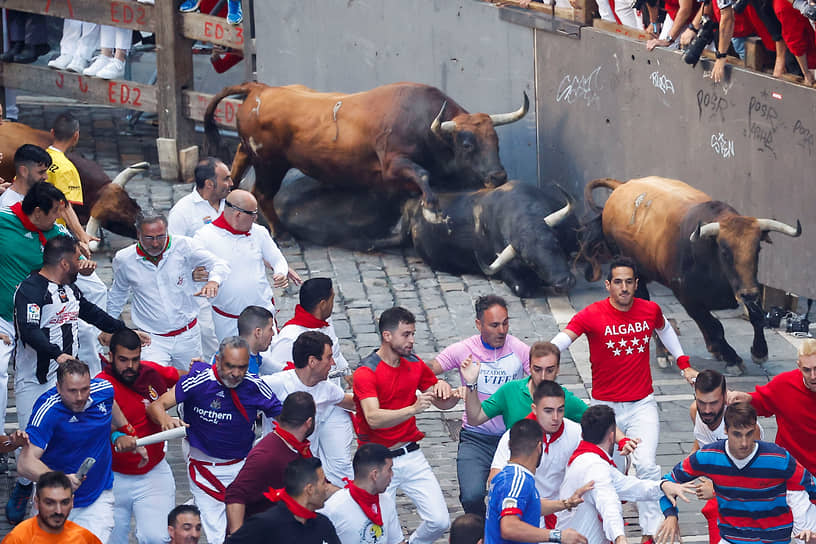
<point x="212" y="144"/>
<point x="593" y="248"/>
<point x="609" y="183"/>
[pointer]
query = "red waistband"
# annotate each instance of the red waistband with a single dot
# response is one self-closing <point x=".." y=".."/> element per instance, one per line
<point x="219" y="311"/>
<point x="185" y="328"/>
<point x="218" y="489"/>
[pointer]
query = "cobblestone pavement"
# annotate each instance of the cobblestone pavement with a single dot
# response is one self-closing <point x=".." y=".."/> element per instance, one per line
<point x="367" y="284"/>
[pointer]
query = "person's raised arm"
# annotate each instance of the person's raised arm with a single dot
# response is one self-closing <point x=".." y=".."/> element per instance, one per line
<point x="157" y="411"/>
<point x="473" y="405"/>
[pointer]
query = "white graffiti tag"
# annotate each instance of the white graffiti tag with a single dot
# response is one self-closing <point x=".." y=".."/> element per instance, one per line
<point x="573" y="88"/>
<point x="722" y="146"/>
<point x="661" y="82"/>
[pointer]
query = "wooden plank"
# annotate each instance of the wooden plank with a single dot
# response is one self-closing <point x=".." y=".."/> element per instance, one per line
<point x="756" y="56"/>
<point x="195" y="104"/>
<point x="168" y="158"/>
<point x="570" y="14"/>
<point x="629" y="32"/>
<point x="124" y="14"/>
<point x="208" y="28"/>
<point x="91" y="90"/>
<point x="188" y="159"/>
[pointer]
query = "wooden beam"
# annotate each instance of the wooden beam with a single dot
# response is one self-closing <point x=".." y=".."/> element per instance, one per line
<point x="195" y="104"/>
<point x="125" y="14"/>
<point x="91" y="90"/>
<point x="208" y="28"/>
<point x="570" y="14"/>
<point x="629" y="32"/>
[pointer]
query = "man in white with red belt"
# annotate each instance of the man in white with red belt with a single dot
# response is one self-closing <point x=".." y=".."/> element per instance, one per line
<point x="236" y="238"/>
<point x="157" y="273"/>
<point x="619" y="329"/>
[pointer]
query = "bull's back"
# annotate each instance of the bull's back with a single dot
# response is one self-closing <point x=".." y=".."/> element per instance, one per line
<point x="643" y="217"/>
<point x="12" y="136"/>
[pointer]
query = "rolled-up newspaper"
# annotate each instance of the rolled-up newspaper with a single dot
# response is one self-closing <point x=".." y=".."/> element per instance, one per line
<point x="178" y="432"/>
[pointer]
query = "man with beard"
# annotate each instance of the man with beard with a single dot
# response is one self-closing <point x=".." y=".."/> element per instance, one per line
<point x="54" y="500"/>
<point x="221" y="405"/>
<point x="268" y="458"/>
<point x="144" y="491"/>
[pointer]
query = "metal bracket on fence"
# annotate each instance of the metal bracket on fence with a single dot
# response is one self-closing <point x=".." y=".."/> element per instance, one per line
<point x="540" y="21"/>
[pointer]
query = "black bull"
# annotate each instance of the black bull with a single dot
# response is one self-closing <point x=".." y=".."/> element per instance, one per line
<point x="517" y="232"/>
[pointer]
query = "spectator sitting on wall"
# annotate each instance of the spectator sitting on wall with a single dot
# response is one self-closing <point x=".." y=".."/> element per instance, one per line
<point x="234" y="13"/>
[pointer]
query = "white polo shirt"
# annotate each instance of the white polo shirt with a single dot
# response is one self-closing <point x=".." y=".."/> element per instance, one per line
<point x="325" y="393"/>
<point x="550" y="471"/>
<point x="280" y="350"/>
<point x="191" y="213"/>
<point x="162" y="296"/>
<point x="353" y="527"/>
<point x="246" y="285"/>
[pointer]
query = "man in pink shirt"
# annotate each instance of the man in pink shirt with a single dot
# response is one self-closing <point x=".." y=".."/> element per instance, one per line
<point x="503" y="358"/>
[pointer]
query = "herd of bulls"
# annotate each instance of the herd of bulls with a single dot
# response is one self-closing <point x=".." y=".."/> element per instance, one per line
<point x="405" y="164"/>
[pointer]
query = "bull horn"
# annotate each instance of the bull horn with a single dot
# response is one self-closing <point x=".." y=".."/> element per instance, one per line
<point x="92" y="230"/>
<point x="556" y="217"/>
<point x="502" y="259"/>
<point x="124" y="176"/>
<point x="709" y="230"/>
<point x="507" y="118"/>
<point x="778" y="226"/>
<point x="437" y="125"/>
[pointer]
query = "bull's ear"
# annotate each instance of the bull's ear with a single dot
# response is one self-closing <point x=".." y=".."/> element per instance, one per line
<point x="766" y="237"/>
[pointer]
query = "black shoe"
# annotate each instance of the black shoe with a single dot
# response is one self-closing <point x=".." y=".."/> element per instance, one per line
<point x="13" y="51"/>
<point x="31" y="53"/>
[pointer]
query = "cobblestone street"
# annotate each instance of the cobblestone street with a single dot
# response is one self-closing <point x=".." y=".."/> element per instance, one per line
<point x="366" y="284"/>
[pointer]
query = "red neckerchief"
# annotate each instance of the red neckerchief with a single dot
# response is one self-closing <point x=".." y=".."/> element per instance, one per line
<point x="302" y="447"/>
<point x="150" y="258"/>
<point x="295" y="507"/>
<point x="221" y="223"/>
<point x="368" y="503"/>
<point x="289" y="365"/>
<point x="553" y="437"/>
<point x="589" y="447"/>
<point x="234" y="394"/>
<point x="305" y="319"/>
<point x="27" y="224"/>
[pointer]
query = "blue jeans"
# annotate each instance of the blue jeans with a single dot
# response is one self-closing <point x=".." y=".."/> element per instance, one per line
<point x="473" y="461"/>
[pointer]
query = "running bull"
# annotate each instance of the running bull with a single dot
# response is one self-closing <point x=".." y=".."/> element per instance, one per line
<point x="396" y="138"/>
<point x="701" y="249"/>
<point x="106" y="203"/>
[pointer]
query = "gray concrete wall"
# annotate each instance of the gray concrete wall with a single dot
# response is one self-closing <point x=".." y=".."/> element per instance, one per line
<point x="609" y="108"/>
<point x="459" y="46"/>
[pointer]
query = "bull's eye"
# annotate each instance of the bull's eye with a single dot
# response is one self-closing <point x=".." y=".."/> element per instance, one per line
<point x="725" y="253"/>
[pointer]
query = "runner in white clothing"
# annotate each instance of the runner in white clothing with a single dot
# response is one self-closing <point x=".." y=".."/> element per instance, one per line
<point x="235" y="238"/>
<point x="599" y="518"/>
<point x="198" y="208"/>
<point x="312" y="354"/>
<point x="157" y="271"/>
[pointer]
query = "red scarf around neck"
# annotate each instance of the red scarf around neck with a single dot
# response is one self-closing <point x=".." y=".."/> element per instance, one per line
<point x="368" y="503"/>
<point x="27" y="224"/>
<point x="553" y="437"/>
<point x="589" y="447"/>
<point x="295" y="507"/>
<point x="302" y="447"/>
<point x="150" y="258"/>
<point x="221" y="223"/>
<point x="233" y="393"/>
<point x="305" y="319"/>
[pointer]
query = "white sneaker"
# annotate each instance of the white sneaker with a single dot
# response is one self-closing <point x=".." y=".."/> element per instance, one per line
<point x="61" y="62"/>
<point x="78" y="65"/>
<point x="100" y="62"/>
<point x="114" y="69"/>
<point x="147" y="1"/>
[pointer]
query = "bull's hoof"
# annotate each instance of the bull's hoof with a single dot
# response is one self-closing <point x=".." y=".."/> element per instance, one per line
<point x="734" y="370"/>
<point x="663" y="362"/>
<point x="759" y="360"/>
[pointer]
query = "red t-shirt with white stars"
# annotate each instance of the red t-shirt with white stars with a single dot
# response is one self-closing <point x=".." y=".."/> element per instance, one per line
<point x="619" y="347"/>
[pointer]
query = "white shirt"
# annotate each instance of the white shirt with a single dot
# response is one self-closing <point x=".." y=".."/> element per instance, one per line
<point x="162" y="298"/>
<point x="603" y="500"/>
<point x="9" y="198"/>
<point x="280" y="350"/>
<point x="353" y="527"/>
<point x="550" y="471"/>
<point x="191" y="213"/>
<point x="704" y="435"/>
<point x="246" y="284"/>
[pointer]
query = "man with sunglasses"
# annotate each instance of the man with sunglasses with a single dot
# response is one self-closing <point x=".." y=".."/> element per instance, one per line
<point x="157" y="272"/>
<point x="236" y="238"/>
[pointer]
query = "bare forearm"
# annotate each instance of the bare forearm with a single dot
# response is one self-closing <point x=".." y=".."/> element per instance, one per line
<point x="235" y="516"/>
<point x="30" y="467"/>
<point x="726" y="29"/>
<point x="549" y="506"/>
<point x="382" y="418"/>
<point x="513" y="529"/>
<point x="473" y="407"/>
<point x="72" y="221"/>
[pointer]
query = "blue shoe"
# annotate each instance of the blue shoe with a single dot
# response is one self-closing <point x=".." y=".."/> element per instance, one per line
<point x="189" y="5"/>
<point x="234" y="13"/>
<point x="18" y="503"/>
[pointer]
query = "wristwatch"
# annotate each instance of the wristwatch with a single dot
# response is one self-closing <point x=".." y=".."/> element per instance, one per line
<point x="719" y="55"/>
<point x="472" y="386"/>
<point x="670" y="40"/>
<point x="555" y="535"/>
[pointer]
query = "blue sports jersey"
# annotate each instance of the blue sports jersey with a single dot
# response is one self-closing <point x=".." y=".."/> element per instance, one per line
<point x="512" y="493"/>
<point x="69" y="437"/>
<point x="217" y="426"/>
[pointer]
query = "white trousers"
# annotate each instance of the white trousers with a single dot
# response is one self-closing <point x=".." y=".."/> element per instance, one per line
<point x="640" y="419"/>
<point x="174" y="350"/>
<point x="6" y="352"/>
<point x="332" y="444"/>
<point x="413" y="475"/>
<point x="97" y="517"/>
<point x="623" y="8"/>
<point x="26" y="394"/>
<point x="213" y="512"/>
<point x="95" y="290"/>
<point x="209" y="342"/>
<point x="79" y="39"/>
<point x="147" y="497"/>
<point x="113" y="37"/>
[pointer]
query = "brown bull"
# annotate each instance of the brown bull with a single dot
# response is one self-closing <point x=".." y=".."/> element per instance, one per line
<point x="396" y="138"/>
<point x="702" y="249"/>
<point x="106" y="203"/>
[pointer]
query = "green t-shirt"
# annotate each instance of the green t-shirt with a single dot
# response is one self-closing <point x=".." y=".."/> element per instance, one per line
<point x="20" y="255"/>
<point x="513" y="400"/>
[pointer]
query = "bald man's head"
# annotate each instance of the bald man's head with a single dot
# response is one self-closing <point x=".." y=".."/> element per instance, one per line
<point x="241" y="209"/>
